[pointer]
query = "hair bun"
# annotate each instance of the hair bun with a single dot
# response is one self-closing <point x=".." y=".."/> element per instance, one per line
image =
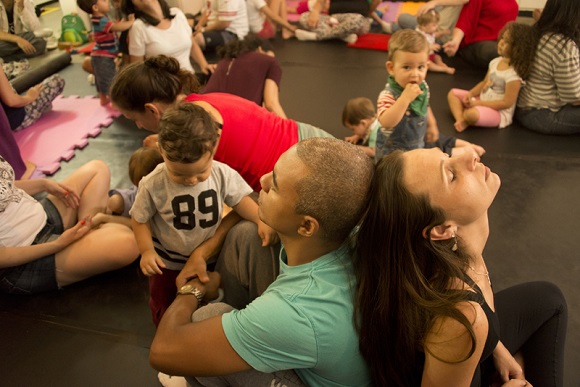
<point x="163" y="62"/>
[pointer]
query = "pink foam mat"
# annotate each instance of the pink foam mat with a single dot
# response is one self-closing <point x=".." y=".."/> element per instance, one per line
<point x="68" y="126"/>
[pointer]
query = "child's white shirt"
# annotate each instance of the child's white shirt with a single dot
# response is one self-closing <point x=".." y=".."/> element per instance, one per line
<point x="495" y="89"/>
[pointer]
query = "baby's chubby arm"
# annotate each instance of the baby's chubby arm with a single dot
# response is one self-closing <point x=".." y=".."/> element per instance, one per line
<point x="123" y="25"/>
<point x="150" y="261"/>
<point x="394" y="114"/>
<point x="248" y="209"/>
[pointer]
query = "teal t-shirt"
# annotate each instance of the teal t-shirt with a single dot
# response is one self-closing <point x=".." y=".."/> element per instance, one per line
<point x="303" y="321"/>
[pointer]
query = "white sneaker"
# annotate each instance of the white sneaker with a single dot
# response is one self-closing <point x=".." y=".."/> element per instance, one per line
<point x="171" y="381"/>
<point x="304" y="35"/>
<point x="91" y="79"/>
<point x="51" y="42"/>
<point x="386" y="27"/>
<point x="350" y="39"/>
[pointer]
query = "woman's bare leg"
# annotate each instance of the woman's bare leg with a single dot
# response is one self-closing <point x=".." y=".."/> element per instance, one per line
<point x="110" y="247"/>
<point x="91" y="183"/>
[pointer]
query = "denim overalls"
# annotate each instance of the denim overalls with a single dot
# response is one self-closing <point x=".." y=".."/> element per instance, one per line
<point x="407" y="134"/>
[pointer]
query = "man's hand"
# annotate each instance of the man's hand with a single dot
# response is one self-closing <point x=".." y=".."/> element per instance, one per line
<point x="210" y="289"/>
<point x="195" y="267"/>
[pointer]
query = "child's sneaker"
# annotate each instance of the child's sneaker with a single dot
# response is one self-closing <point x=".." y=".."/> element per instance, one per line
<point x="171" y="381"/>
<point x="350" y="39"/>
<point x="91" y="79"/>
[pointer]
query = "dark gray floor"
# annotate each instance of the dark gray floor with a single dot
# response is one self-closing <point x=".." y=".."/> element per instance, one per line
<point x="97" y="333"/>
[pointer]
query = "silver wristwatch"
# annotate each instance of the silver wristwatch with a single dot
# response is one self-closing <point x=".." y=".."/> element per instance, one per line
<point x="190" y="289"/>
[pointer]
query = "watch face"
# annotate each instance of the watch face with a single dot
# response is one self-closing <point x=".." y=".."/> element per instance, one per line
<point x="187" y="288"/>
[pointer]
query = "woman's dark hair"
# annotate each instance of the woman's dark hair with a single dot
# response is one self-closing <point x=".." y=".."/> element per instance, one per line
<point x="238" y="47"/>
<point x="127" y="7"/>
<point x="523" y="40"/>
<point x="560" y="17"/>
<point x="403" y="278"/>
<point x="157" y="79"/>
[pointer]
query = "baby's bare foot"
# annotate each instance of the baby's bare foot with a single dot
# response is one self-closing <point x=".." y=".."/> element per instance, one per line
<point x="460" y="126"/>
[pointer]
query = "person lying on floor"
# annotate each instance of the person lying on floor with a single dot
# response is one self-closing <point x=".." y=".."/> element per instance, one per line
<point x="51" y="243"/>
<point x="300" y="331"/>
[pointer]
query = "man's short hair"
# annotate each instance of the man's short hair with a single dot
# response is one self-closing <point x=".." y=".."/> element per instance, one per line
<point x="335" y="191"/>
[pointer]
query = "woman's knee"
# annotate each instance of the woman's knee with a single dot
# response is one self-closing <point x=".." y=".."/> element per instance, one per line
<point x="550" y="295"/>
<point x="98" y="167"/>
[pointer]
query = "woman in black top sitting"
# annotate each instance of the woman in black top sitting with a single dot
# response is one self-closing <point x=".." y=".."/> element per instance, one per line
<point x="425" y="308"/>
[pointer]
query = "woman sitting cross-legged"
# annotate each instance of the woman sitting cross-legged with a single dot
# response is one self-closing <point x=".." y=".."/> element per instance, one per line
<point x="54" y="242"/>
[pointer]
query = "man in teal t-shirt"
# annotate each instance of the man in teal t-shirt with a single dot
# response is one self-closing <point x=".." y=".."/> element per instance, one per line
<point x="304" y="320"/>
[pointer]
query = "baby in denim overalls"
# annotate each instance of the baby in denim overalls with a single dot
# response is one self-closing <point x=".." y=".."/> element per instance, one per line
<point x="406" y="119"/>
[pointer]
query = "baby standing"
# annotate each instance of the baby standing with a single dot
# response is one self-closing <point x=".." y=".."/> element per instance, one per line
<point x="491" y="103"/>
<point x="106" y="46"/>
<point x="179" y="205"/>
<point x="407" y="121"/>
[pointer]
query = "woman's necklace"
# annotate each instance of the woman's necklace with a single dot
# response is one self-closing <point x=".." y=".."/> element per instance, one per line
<point x="485" y="273"/>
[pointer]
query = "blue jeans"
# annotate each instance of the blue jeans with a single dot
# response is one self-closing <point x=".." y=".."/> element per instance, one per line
<point x="564" y="121"/>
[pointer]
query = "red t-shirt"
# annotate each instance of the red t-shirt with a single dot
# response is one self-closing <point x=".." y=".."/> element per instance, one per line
<point x="483" y="19"/>
<point x="252" y="138"/>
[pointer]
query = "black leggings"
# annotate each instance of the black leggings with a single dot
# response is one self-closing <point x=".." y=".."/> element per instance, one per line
<point x="533" y="317"/>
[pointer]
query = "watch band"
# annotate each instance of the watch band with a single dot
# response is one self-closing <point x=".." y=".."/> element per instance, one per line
<point x="191" y="290"/>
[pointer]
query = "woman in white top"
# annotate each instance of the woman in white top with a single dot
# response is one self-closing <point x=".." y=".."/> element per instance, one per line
<point x="159" y="29"/>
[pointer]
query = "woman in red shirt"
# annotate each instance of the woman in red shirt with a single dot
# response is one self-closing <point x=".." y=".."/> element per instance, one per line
<point x="476" y="31"/>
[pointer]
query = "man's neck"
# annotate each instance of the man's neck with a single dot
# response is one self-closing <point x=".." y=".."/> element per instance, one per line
<point x="300" y="251"/>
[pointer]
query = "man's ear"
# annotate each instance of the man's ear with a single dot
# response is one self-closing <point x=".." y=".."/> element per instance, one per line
<point x="153" y="109"/>
<point x="308" y="227"/>
<point x="441" y="232"/>
<point x="390" y="67"/>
